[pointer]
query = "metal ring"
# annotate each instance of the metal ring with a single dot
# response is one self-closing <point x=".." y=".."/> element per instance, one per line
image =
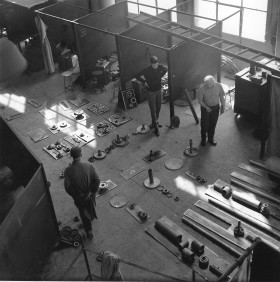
<point x="169" y="195"/>
<point x="76" y="244"/>
<point x="176" y="198"/>
<point x="160" y="188"/>
<point x="203" y="262"/>
<point x="165" y="191"/>
<point x="133" y="100"/>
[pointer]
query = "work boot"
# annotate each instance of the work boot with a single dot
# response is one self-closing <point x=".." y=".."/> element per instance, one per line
<point x="159" y="125"/>
<point x="213" y="142"/>
<point x="203" y="143"/>
<point x="157" y="133"/>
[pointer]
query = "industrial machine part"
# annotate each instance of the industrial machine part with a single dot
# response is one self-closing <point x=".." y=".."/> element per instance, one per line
<point x="61" y="174"/>
<point x="99" y="155"/>
<point x="91" y="159"/>
<point x="79" y="114"/>
<point x="138" y="213"/>
<point x="197" y="247"/>
<point x="187" y="256"/>
<point x="238" y="230"/>
<point x="120" y="141"/>
<point x="173" y="164"/>
<point x="215" y="270"/>
<point x="203" y="262"/>
<point x="165" y="191"/>
<point x="226" y="191"/>
<point x="244" y="198"/>
<point x="264" y="209"/>
<point x="154" y="155"/>
<point x="142" y="129"/>
<point x="176" y="198"/>
<point x="168" y="232"/>
<point x="191" y="151"/>
<point x="198" y="178"/>
<point x="160" y="188"/>
<point x="151" y="182"/>
<point x="143" y="215"/>
<point x="169" y="195"/>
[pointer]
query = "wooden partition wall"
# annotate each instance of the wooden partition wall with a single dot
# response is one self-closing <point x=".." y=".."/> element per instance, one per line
<point x="98" y="40"/>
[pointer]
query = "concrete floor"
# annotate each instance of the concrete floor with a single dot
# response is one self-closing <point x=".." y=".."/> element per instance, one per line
<point x="116" y="230"/>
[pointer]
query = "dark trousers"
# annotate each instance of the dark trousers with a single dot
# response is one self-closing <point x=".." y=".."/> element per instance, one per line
<point x="208" y="122"/>
<point x="154" y="100"/>
<point x="85" y="220"/>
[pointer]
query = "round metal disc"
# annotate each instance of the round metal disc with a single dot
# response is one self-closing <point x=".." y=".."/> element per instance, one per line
<point x="100" y="156"/>
<point x="118" y="201"/>
<point x="144" y="128"/>
<point x="78" y="112"/>
<point x="63" y="124"/>
<point x="153" y="185"/>
<point x="194" y="152"/>
<point x="174" y="164"/>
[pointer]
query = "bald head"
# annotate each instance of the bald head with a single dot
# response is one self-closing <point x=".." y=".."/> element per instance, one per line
<point x="209" y="81"/>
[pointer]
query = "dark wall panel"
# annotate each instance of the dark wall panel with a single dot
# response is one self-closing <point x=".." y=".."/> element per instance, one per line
<point x="15" y="155"/>
<point x="29" y="232"/>
<point x="190" y="62"/>
<point x="134" y="55"/>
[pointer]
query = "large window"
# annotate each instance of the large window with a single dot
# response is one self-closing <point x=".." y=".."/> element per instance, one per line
<point x="164" y="4"/>
<point x="251" y="23"/>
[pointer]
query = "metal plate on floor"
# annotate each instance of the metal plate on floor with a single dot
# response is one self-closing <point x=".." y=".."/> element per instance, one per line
<point x="64" y="105"/>
<point x="79" y="102"/>
<point x="136" y="211"/>
<point x="132" y="171"/>
<point x="118" y="201"/>
<point x="101" y="191"/>
<point x="38" y="134"/>
<point x="154" y="156"/>
<point x="119" y="119"/>
<point x="174" y="164"/>
<point x="98" y="109"/>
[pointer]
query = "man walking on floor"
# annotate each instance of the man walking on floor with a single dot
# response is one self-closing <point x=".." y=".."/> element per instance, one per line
<point x="81" y="182"/>
<point x="151" y="78"/>
<point x="210" y="95"/>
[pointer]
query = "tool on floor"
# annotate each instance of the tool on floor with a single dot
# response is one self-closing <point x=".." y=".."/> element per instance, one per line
<point x="238" y="230"/>
<point x="191" y="151"/>
<point x="121" y="141"/>
<point x="138" y="213"/>
<point x="151" y="182"/>
<point x="100" y="155"/>
<point x="154" y="155"/>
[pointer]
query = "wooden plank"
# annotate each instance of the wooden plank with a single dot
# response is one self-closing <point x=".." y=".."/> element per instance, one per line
<point x="217" y="229"/>
<point x="269" y="222"/>
<point x="264" y="184"/>
<point x="248" y="230"/>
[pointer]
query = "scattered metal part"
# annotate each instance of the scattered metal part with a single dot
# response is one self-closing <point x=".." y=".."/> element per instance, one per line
<point x="120" y="141"/>
<point x="191" y="151"/>
<point x="99" y="155"/>
<point x="250" y="238"/>
<point x="173" y="164"/>
<point x="203" y="262"/>
<point x="131" y="206"/>
<point x="187" y="256"/>
<point x="197" y="247"/>
<point x="160" y="188"/>
<point x="138" y="213"/>
<point x="151" y="182"/>
<point x="176" y="198"/>
<point x="238" y="230"/>
<point x="118" y="201"/>
<point x="154" y="155"/>
<point x="143" y="215"/>
<point x="165" y="191"/>
<point x="196" y="177"/>
<point x="215" y="270"/>
<point x="169" y="195"/>
<point x="61" y="175"/>
<point x="91" y="159"/>
<point x="264" y="209"/>
<point x="142" y="129"/>
<point x="107" y="150"/>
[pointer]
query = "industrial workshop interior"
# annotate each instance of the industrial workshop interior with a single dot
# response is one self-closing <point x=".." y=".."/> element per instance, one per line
<point x="170" y="206"/>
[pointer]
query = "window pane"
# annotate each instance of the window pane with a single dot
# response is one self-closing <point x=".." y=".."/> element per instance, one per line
<point x="231" y="2"/>
<point x="254" y="24"/>
<point x="133" y="8"/>
<point x="256" y="4"/>
<point x="166" y="4"/>
<point x="205" y="9"/>
<point x="231" y="25"/>
<point x="151" y="11"/>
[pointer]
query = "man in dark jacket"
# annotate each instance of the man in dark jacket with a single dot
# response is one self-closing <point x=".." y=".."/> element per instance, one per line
<point x="81" y="182"/>
<point x="151" y="77"/>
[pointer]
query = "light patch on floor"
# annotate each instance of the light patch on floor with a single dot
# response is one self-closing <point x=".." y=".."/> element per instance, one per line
<point x="13" y="102"/>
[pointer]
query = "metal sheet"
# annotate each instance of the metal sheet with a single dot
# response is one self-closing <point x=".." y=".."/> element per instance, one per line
<point x="174" y="164"/>
<point x="119" y="119"/>
<point x="132" y="171"/>
<point x="38" y="134"/>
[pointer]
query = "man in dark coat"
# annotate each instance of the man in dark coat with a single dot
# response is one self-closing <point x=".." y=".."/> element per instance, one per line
<point x="81" y="182"/>
<point x="151" y="78"/>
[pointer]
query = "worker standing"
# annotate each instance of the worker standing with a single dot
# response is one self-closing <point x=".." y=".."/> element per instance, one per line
<point x="81" y="182"/>
<point x="210" y="95"/>
<point x="151" y="78"/>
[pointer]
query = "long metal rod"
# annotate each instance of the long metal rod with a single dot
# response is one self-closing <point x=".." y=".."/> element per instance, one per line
<point x="240" y="260"/>
<point x="274" y="172"/>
